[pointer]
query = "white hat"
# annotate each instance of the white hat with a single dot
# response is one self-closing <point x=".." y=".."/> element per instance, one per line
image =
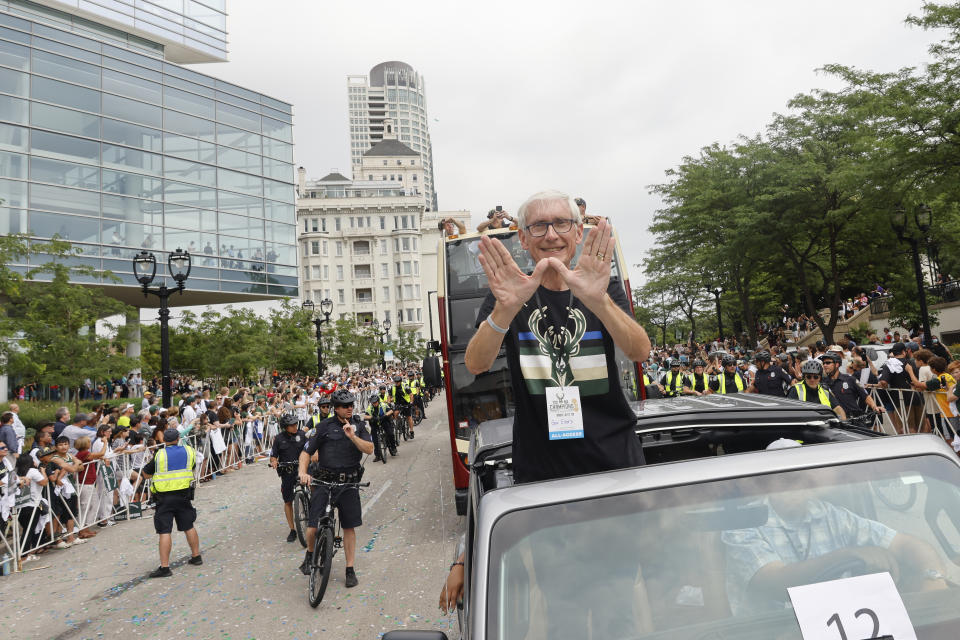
<point x="783" y="443"/>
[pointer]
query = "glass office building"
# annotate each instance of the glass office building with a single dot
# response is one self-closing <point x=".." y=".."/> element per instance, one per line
<point x="107" y="144"/>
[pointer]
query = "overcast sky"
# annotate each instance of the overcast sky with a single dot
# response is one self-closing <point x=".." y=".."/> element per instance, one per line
<point x="594" y="98"/>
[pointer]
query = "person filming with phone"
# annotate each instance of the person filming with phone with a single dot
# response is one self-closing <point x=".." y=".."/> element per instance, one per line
<point x="496" y="219"/>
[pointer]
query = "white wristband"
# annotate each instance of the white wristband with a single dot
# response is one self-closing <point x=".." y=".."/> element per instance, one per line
<point x="493" y="325"/>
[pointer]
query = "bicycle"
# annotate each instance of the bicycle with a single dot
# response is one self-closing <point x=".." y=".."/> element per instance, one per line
<point x="400" y="422"/>
<point x="301" y="505"/>
<point x="380" y="437"/>
<point x="328" y="540"/>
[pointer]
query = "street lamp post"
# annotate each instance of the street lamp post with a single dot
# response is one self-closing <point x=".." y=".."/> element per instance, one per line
<point x="381" y="335"/>
<point x="716" y="291"/>
<point x="326" y="308"/>
<point x="145" y="270"/>
<point x="922" y="216"/>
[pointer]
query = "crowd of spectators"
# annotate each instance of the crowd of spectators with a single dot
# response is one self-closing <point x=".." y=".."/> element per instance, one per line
<point x="80" y="473"/>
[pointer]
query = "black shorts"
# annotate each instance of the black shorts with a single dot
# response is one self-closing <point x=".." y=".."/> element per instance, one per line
<point x="346" y="501"/>
<point x="288" y="482"/>
<point x="65" y="508"/>
<point x="170" y="508"/>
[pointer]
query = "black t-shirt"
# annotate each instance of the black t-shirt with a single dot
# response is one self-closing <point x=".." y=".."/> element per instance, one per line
<point x="287" y="447"/>
<point x="336" y="451"/>
<point x="772" y="381"/>
<point x="896" y="379"/>
<point x="609" y="441"/>
<point x="851" y="396"/>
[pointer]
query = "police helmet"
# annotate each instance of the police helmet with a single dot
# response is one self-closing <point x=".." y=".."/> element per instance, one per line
<point x="762" y="356"/>
<point x="728" y="360"/>
<point x="812" y="366"/>
<point x="832" y="356"/>
<point x="674" y="362"/>
<point x="410" y="374"/>
<point x="784" y="357"/>
<point x="324" y="400"/>
<point x="398" y="378"/>
<point x="343" y="398"/>
<point x="699" y="363"/>
<point x="375" y="399"/>
<point x="382" y="388"/>
<point x="288" y="420"/>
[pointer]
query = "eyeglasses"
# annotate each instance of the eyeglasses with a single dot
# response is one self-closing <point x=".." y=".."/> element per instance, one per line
<point x="539" y="229"/>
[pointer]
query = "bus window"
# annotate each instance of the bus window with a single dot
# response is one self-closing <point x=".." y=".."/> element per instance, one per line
<point x="465" y="276"/>
<point x="463" y="320"/>
<point x="477" y="399"/>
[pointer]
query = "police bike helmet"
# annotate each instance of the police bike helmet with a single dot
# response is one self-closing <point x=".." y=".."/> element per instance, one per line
<point x="784" y="358"/>
<point x="287" y="420"/>
<point x="728" y="360"/>
<point x="812" y="366"/>
<point x="762" y="356"/>
<point x="343" y="398"/>
<point x="699" y="363"/>
<point x="411" y="374"/>
<point x="382" y="388"/>
<point x="398" y="378"/>
<point x="832" y="356"/>
<point x="674" y="362"/>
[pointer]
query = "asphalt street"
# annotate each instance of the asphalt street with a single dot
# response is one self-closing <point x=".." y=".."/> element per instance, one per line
<point x="249" y="585"/>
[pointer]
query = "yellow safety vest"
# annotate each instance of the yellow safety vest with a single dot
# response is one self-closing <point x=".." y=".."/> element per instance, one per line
<point x="723" y="382"/>
<point x="676" y="382"/>
<point x="414" y="387"/>
<point x="172" y="479"/>
<point x="692" y="378"/>
<point x="404" y="392"/>
<point x="821" y="392"/>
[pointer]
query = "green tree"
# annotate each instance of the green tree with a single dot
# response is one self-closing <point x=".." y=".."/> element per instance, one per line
<point x="291" y="343"/>
<point x="58" y="342"/>
<point x="408" y="347"/>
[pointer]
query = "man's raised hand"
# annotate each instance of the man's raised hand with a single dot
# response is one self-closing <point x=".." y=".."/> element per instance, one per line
<point x="509" y="285"/>
<point x="589" y="280"/>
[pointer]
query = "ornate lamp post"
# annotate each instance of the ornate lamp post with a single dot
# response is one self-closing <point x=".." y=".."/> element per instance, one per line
<point x="326" y="308"/>
<point x="145" y="270"/>
<point x="381" y="335"/>
<point x="922" y="217"/>
<point x="716" y="291"/>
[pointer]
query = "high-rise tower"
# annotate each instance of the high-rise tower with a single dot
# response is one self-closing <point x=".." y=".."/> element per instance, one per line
<point x="395" y="91"/>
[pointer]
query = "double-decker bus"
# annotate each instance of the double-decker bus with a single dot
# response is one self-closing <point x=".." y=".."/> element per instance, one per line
<point x="461" y="288"/>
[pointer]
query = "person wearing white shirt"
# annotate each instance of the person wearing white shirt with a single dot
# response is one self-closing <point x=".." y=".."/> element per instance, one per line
<point x="105" y="494"/>
<point x="188" y="413"/>
<point x="18" y="426"/>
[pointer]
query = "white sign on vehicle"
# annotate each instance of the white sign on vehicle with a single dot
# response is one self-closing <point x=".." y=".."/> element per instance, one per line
<point x="851" y="609"/>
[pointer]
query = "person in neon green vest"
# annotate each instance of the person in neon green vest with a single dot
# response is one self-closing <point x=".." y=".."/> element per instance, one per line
<point x="172" y="471"/>
<point x="729" y="380"/>
<point x="810" y="389"/>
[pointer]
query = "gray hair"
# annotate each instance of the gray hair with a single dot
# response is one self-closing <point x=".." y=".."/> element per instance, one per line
<point x="550" y="195"/>
<point x="62" y="411"/>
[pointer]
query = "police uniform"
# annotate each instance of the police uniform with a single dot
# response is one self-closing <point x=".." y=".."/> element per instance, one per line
<point x="172" y="487"/>
<point x="287" y="448"/>
<point x="727" y="383"/>
<point x="772" y="381"/>
<point x="376" y="413"/>
<point x="672" y="383"/>
<point x="339" y="461"/>
<point x="820" y="395"/>
<point x="697" y="382"/>
<point x="850" y="395"/>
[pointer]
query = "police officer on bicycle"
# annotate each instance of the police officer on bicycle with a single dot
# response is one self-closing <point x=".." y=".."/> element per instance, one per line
<point x="378" y="415"/>
<point x="416" y="390"/>
<point x="340" y="442"/>
<point x="403" y="399"/>
<point x="286" y="451"/>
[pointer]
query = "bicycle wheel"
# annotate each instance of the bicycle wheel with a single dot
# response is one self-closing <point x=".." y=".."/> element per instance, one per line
<point x="417" y="415"/>
<point x="320" y="569"/>
<point x="301" y="510"/>
<point x="382" y="439"/>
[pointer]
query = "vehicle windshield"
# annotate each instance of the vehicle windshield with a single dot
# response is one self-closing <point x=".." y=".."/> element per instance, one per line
<point x="714" y="560"/>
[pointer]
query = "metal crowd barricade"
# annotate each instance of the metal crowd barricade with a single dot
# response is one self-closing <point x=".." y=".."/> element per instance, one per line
<point x="111" y="497"/>
<point x="910" y="411"/>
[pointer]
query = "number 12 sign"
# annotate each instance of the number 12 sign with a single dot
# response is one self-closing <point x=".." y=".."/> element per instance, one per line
<point x="852" y="609"/>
